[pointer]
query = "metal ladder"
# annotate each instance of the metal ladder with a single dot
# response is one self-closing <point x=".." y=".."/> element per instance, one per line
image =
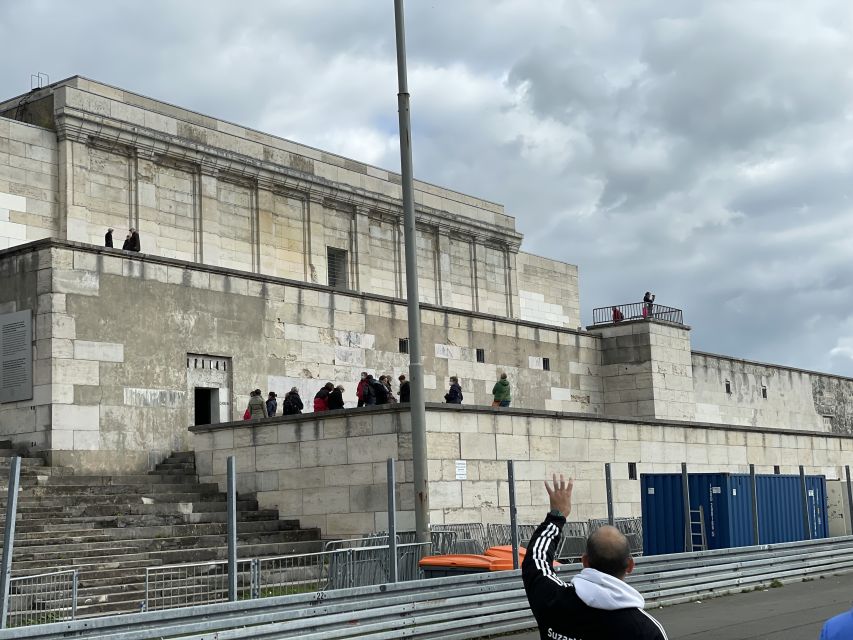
<point x="697" y="519"/>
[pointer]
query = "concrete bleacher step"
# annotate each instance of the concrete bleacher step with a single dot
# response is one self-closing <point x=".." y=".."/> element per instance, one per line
<point x="110" y="528"/>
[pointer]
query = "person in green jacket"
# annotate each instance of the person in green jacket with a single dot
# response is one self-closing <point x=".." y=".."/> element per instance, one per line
<point x="501" y="392"/>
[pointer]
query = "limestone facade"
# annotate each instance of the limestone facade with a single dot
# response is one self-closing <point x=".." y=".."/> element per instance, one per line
<point x="204" y="190"/>
<point x="330" y="471"/>
<point x="118" y="335"/>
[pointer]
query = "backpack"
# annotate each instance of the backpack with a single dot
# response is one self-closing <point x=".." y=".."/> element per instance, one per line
<point x="380" y="392"/>
<point x="287" y="407"/>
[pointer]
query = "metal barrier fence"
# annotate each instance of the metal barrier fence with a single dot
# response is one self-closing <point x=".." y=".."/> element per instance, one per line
<point x="342" y="567"/>
<point x="636" y="311"/>
<point x="183" y="585"/>
<point x="42" y="598"/>
<point x="460" y="607"/>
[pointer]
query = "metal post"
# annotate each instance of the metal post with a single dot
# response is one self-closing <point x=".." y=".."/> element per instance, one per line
<point x="805" y="495"/>
<point x="392" y="522"/>
<point x="232" y="529"/>
<point x="416" y="378"/>
<point x="9" y="537"/>
<point x="685" y="491"/>
<point x="849" y="498"/>
<point x="74" y="595"/>
<point x="609" y="484"/>
<point x="513" y="515"/>
<point x="754" y="490"/>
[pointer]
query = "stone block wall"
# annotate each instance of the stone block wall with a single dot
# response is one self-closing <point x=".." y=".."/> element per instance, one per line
<point x="548" y="291"/>
<point x="205" y="190"/>
<point x="542" y="444"/>
<point x="647" y="370"/>
<point x="28" y="183"/>
<point x="120" y="328"/>
<point x="768" y="395"/>
<point x="329" y="473"/>
<point x="329" y="470"/>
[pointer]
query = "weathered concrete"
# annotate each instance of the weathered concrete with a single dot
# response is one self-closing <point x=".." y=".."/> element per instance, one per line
<point x="328" y="469"/>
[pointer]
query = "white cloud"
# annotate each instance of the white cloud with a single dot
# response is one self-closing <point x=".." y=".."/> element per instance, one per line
<point x="702" y="150"/>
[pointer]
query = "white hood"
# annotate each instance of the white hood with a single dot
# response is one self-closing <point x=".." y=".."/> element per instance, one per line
<point x="601" y="591"/>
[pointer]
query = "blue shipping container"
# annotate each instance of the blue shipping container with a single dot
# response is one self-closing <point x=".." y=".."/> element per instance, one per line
<point x="726" y="502"/>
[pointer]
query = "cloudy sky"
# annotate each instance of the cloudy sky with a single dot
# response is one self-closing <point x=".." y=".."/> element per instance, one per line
<point x="700" y="149"/>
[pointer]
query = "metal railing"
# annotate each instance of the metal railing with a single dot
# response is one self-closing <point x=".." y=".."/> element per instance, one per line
<point x="42" y="598"/>
<point x="636" y="311"/>
<point x="343" y="566"/>
<point x="187" y="584"/>
<point x="460" y="607"/>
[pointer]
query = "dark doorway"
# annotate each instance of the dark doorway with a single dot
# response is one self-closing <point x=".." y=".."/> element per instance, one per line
<point x="206" y="405"/>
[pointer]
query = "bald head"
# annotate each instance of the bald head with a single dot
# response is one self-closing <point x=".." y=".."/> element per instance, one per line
<point x="608" y="551"/>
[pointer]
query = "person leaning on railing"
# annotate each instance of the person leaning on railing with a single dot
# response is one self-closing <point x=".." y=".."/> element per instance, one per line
<point x="597" y="604"/>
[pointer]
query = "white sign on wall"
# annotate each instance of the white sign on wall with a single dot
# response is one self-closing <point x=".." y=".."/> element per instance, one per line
<point x="461" y="469"/>
<point x="16" y="356"/>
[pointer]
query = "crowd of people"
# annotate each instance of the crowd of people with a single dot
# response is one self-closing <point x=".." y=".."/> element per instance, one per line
<point x="370" y="391"/>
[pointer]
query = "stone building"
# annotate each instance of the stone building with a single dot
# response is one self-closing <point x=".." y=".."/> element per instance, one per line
<point x="269" y="264"/>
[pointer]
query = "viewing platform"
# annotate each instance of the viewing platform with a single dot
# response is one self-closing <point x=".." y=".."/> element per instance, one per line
<point x="636" y="311"/>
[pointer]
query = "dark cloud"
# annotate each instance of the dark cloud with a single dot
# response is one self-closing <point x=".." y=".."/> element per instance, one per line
<point x="698" y="149"/>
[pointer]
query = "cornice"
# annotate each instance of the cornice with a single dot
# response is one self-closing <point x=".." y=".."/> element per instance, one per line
<point x="108" y="133"/>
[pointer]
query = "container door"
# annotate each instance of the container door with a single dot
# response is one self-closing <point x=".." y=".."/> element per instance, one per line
<point x="663" y="513"/>
<point x="816" y="500"/>
<point x="740" y="511"/>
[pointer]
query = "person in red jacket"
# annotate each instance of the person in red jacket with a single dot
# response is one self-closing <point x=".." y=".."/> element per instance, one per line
<point x="321" y="400"/>
<point x="361" y="389"/>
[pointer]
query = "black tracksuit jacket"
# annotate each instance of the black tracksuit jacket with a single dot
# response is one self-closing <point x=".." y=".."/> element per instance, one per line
<point x="560" y="612"/>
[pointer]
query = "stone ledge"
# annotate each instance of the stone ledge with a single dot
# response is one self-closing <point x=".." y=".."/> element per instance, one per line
<point x="54" y="243"/>
<point x="511" y="411"/>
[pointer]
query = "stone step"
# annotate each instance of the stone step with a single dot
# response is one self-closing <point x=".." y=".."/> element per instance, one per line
<point x="6" y="463"/>
<point x="130" y="520"/>
<point x="84" y="563"/>
<point x="173" y="472"/>
<point x="117" y="498"/>
<point x="106" y="481"/>
<point x="216" y="505"/>
<point x="154" y="488"/>
<point x="30" y="474"/>
<point x="129" y="545"/>
<point x="182" y="455"/>
<point x="169" y="464"/>
<point x="156" y="531"/>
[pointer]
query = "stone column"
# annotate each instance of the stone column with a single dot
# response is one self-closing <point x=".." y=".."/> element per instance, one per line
<point x="267" y="240"/>
<point x="443" y="261"/>
<point x="66" y="182"/>
<point x="142" y="186"/>
<point x="476" y="273"/>
<point x="400" y="257"/>
<point x="209" y="215"/>
<point x="512" y="304"/>
<point x="316" y="247"/>
<point x="360" y="243"/>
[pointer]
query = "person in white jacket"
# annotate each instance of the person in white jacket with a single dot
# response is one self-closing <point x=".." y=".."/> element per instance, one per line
<point x="597" y="604"/>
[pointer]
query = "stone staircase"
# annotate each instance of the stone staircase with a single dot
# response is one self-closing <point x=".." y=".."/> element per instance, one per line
<point x="110" y="528"/>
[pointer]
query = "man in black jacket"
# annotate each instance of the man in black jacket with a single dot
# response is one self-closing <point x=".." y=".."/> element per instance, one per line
<point x="597" y="604"/>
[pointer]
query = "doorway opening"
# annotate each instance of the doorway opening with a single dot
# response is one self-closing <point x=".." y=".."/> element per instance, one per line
<point x="206" y="405"/>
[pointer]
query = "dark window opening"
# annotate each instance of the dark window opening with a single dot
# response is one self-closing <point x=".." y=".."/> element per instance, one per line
<point x="404" y="345"/>
<point x="728" y="387"/>
<point x="776" y="469"/>
<point x="632" y="471"/>
<point x="337" y="263"/>
<point x="764" y="392"/>
<point x="206" y="406"/>
<point x="481" y="355"/>
<point x="546" y="364"/>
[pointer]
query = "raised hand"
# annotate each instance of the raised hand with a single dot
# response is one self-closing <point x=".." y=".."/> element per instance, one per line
<point x="560" y="494"/>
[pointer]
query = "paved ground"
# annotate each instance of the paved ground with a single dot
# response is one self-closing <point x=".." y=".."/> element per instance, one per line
<point x="793" y="612"/>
